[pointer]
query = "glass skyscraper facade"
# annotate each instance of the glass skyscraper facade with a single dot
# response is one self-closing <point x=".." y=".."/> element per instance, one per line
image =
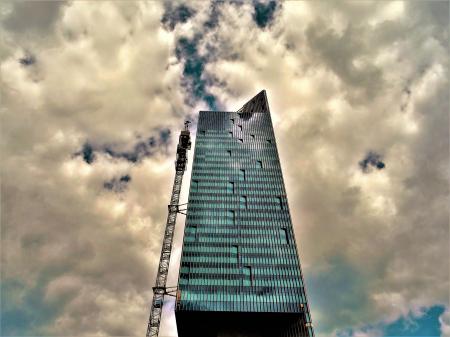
<point x="240" y="272"/>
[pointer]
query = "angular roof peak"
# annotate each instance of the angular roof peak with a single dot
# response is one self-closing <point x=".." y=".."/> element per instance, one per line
<point x="258" y="103"/>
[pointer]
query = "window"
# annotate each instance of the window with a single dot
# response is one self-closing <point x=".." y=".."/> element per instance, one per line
<point x="253" y="136"/>
<point x="191" y="233"/>
<point x="234" y="254"/>
<point x="203" y="132"/>
<point x="243" y="202"/>
<point x="284" y="236"/>
<point x="241" y="174"/>
<point x="230" y="134"/>
<point x="259" y="163"/>
<point x="240" y="127"/>
<point x="279" y="202"/>
<point x="241" y="140"/>
<point x="230" y="187"/>
<point x="232" y="120"/>
<point x="229" y="153"/>
<point x="269" y="141"/>
<point x="247" y="271"/>
<point x="185" y="273"/>
<point x="231" y="217"/>
<point x="194" y="187"/>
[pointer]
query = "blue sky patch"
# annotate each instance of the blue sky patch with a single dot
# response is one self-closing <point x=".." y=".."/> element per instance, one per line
<point x="27" y="60"/>
<point x="25" y="311"/>
<point x="88" y="153"/>
<point x="140" y="150"/>
<point x="175" y="15"/>
<point x="194" y="65"/>
<point x="340" y="291"/>
<point x="264" y="13"/>
<point x="117" y="184"/>
<point x="371" y="160"/>
<point x="425" y="325"/>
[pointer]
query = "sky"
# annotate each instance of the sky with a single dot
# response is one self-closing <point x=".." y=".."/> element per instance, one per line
<point x="93" y="95"/>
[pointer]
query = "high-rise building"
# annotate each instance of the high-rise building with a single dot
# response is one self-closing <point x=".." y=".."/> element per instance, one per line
<point x="240" y="273"/>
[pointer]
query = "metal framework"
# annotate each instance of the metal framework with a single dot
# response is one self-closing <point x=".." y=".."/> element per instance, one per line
<point x="160" y="289"/>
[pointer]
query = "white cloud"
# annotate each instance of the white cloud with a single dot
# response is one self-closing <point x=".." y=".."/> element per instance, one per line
<point x="334" y="88"/>
<point x="86" y="253"/>
<point x="444" y="321"/>
<point x="372" y="77"/>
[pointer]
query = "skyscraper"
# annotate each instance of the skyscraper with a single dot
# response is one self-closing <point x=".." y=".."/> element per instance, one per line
<point x="240" y="273"/>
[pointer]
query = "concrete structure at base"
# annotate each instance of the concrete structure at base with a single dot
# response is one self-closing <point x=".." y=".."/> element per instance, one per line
<point x="240" y="273"/>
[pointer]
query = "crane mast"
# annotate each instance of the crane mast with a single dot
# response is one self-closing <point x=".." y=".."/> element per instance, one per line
<point x="160" y="289"/>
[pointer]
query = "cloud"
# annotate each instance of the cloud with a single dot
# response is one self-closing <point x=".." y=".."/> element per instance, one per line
<point x="334" y="89"/>
<point x="444" y="321"/>
<point x="31" y="17"/>
<point x="79" y="259"/>
<point x="112" y="83"/>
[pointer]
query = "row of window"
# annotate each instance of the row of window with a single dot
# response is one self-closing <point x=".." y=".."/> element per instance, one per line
<point x="250" y="217"/>
<point x="268" y="179"/>
<point x="213" y="170"/>
<point x="238" y="293"/>
<point x="236" y="275"/>
<point x="230" y="135"/>
<point x="243" y="205"/>
<point x="263" y="296"/>
<point x="243" y="306"/>
<point x="262" y="272"/>
<point x="239" y="280"/>
<point x="232" y="198"/>
<point x="216" y="170"/>
<point x="260" y="190"/>
<point x="244" y="239"/>
<point x="261" y="261"/>
<point x="194" y="231"/>
<point x="207" y="151"/>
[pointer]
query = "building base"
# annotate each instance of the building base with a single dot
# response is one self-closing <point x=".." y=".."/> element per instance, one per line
<point x="239" y="324"/>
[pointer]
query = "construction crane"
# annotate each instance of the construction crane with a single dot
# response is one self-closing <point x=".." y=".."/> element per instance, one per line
<point x="160" y="289"/>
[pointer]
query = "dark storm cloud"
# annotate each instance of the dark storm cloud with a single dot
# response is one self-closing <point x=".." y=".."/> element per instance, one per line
<point x="194" y="65"/>
<point x="174" y="15"/>
<point x="264" y="12"/>
<point x="117" y="184"/>
<point x="372" y="159"/>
